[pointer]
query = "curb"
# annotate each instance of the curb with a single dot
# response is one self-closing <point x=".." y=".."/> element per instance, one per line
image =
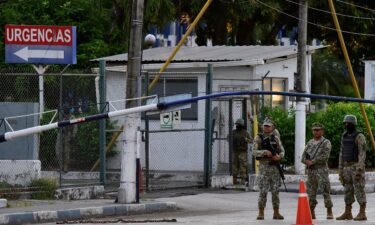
<point x="81" y="213"/>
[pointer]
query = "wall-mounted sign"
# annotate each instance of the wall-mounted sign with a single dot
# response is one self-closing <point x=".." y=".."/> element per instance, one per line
<point x="166" y="120"/>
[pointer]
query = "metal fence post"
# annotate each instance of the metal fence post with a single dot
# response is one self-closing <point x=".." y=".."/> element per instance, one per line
<point x="102" y="123"/>
<point x="207" y="133"/>
<point x="230" y="135"/>
<point x="147" y="129"/>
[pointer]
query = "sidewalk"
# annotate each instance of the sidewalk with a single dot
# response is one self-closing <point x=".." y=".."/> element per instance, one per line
<point x="43" y="211"/>
<point x="36" y="211"/>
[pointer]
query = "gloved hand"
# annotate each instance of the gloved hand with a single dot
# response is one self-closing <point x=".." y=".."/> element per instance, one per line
<point x="341" y="176"/>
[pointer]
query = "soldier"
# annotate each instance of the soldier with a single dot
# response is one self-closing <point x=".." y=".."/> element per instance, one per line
<point x="352" y="168"/>
<point x="315" y="156"/>
<point x="275" y="131"/>
<point x="269" y="151"/>
<point x="241" y="139"/>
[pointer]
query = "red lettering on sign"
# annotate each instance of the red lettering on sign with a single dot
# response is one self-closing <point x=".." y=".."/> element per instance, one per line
<point x="38" y="35"/>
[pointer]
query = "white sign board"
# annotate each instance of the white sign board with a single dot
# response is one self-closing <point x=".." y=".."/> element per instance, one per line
<point x="166" y="120"/>
<point x="176" y="119"/>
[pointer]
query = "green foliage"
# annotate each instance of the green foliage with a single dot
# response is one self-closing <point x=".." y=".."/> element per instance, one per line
<point x="329" y="75"/>
<point x="86" y="150"/>
<point x="284" y="122"/>
<point x="332" y="119"/>
<point x="45" y="188"/>
<point x="93" y="20"/>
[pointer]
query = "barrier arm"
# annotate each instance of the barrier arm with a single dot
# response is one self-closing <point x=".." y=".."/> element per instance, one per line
<point x="165" y="106"/>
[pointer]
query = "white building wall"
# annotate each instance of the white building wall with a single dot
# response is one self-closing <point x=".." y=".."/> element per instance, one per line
<point x="179" y="151"/>
<point x="115" y="90"/>
<point x="185" y="151"/>
<point x="176" y="151"/>
<point x="370" y="79"/>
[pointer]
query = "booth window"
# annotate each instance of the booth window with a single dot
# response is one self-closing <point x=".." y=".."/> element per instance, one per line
<point x="174" y="86"/>
<point x="274" y="84"/>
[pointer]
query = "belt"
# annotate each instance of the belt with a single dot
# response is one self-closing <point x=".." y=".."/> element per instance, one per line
<point x="349" y="163"/>
<point x="317" y="166"/>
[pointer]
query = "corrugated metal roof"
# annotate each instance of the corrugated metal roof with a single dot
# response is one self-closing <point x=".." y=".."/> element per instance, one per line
<point x="212" y="54"/>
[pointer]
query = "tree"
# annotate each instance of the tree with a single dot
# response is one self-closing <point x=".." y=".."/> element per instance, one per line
<point x="329" y="75"/>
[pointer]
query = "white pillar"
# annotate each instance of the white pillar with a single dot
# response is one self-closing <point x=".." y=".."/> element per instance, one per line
<point x="127" y="189"/>
<point x="41" y="70"/>
<point x="300" y="136"/>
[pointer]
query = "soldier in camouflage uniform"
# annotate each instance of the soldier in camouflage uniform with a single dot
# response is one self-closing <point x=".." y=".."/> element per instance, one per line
<point x="269" y="176"/>
<point x="275" y="131"/>
<point x="241" y="139"/>
<point x="315" y="156"/>
<point x="352" y="169"/>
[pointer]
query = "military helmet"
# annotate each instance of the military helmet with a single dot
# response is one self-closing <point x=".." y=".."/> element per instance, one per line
<point x="350" y="119"/>
<point x="240" y="122"/>
<point x="317" y="126"/>
<point x="268" y="122"/>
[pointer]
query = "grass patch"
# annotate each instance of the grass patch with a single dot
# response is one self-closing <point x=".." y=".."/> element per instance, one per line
<point x="45" y="188"/>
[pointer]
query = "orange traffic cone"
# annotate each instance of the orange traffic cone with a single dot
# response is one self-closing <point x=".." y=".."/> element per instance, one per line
<point x="303" y="210"/>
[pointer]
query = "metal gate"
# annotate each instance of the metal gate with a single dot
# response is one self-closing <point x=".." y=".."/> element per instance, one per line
<point x="174" y="151"/>
<point x="225" y="112"/>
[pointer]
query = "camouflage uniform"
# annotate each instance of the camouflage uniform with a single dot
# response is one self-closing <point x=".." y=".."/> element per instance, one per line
<point x="318" y="174"/>
<point x="353" y="173"/>
<point x="352" y="169"/>
<point x="241" y="139"/>
<point x="269" y="177"/>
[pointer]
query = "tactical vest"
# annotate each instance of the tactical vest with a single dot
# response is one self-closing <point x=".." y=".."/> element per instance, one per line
<point x="239" y="140"/>
<point x="269" y="143"/>
<point x="350" y="149"/>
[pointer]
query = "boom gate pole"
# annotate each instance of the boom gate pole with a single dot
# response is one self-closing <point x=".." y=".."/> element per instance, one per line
<point x="300" y="121"/>
<point x="127" y="189"/>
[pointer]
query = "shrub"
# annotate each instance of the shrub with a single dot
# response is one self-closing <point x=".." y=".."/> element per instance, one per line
<point x="85" y="150"/>
<point x="332" y="118"/>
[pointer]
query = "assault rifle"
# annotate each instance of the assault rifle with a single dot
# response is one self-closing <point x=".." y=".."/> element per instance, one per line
<point x="277" y="164"/>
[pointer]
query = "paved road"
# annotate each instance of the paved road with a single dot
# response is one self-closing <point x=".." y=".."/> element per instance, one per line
<point x="234" y="208"/>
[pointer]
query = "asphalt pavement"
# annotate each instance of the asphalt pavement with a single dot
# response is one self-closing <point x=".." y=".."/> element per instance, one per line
<point x="231" y="207"/>
<point x="167" y="201"/>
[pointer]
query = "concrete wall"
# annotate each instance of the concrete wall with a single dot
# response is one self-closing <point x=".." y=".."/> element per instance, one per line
<point x="19" y="172"/>
<point x="24" y="147"/>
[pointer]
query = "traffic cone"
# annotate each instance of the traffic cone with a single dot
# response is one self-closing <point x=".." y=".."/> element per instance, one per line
<point x="303" y="210"/>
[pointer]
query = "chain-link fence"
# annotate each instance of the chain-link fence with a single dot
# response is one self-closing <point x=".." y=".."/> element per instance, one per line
<point x="64" y="94"/>
<point x="174" y="150"/>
